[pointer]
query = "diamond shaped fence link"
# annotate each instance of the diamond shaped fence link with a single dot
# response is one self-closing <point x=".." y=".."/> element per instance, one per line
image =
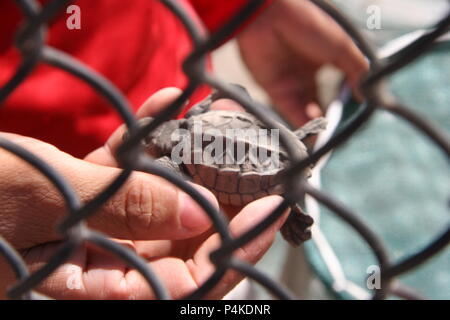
<point x="31" y="42"/>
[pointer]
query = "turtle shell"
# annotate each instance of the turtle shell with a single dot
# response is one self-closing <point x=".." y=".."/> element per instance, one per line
<point x="249" y="165"/>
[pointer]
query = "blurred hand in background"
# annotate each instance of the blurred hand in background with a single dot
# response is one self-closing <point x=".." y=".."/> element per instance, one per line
<point x="286" y="46"/>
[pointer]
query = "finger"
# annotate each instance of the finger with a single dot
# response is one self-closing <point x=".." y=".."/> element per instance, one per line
<point x="92" y="273"/>
<point x="146" y="207"/>
<point x="150" y="208"/>
<point x="152" y="106"/>
<point x="350" y="60"/>
<point x="192" y="273"/>
<point x="313" y="110"/>
<point x="296" y="100"/>
<point x="200" y="266"/>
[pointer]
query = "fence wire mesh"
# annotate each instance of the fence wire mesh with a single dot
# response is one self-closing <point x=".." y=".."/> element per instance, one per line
<point x="31" y="42"/>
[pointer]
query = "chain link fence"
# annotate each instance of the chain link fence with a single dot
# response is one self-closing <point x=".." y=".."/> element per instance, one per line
<point x="31" y="42"/>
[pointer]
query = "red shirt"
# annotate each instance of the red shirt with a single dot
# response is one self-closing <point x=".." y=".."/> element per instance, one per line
<point x="138" y="45"/>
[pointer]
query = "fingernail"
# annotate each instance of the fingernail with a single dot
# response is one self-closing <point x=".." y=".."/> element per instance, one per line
<point x="192" y="216"/>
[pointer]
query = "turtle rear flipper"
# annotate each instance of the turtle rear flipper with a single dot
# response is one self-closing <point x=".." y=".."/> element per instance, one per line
<point x="297" y="228"/>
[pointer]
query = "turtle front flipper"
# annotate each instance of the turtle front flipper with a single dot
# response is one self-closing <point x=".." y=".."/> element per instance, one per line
<point x="297" y="228"/>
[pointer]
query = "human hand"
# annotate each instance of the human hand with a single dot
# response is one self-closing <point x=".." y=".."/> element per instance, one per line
<point x="285" y="47"/>
<point x="148" y="214"/>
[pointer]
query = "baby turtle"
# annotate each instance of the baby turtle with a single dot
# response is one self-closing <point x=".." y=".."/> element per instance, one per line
<point x="248" y="166"/>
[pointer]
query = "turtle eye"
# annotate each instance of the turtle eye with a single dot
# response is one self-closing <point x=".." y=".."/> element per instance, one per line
<point x="151" y="146"/>
<point x="183" y="125"/>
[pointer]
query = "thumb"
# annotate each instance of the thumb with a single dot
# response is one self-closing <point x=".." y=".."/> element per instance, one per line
<point x="148" y="207"/>
<point x="145" y="208"/>
<point x="152" y="106"/>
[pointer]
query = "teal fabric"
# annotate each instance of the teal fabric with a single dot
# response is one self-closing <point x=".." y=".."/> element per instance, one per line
<point x="397" y="180"/>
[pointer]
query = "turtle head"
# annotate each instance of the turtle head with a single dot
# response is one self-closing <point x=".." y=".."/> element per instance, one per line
<point x="159" y="142"/>
<point x="308" y="132"/>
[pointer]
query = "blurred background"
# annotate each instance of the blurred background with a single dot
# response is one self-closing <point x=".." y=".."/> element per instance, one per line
<point x="388" y="173"/>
